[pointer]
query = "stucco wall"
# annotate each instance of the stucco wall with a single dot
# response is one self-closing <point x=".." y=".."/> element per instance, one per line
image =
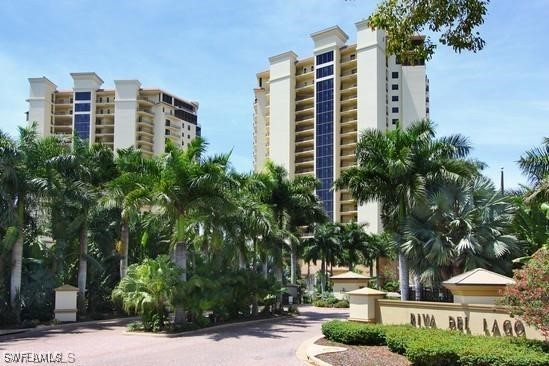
<point x="489" y="320"/>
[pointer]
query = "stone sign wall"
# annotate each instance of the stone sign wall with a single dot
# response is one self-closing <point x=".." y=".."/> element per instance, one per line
<point x="481" y="319"/>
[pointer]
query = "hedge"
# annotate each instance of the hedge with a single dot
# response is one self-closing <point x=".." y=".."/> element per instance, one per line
<point x="437" y="347"/>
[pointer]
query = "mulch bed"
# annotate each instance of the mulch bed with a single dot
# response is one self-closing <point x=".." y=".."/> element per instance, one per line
<point x="361" y="355"/>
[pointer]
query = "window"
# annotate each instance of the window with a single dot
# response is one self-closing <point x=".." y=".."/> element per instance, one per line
<point x="82" y="125"/>
<point x="188" y="136"/>
<point x="167" y="132"/>
<point x="168" y="123"/>
<point x="324" y="71"/>
<point x="394" y="98"/>
<point x="324" y="58"/>
<point x="353" y="56"/>
<point x="82" y="107"/>
<point x="82" y="95"/>
<point x="167" y="98"/>
<point x="324" y="141"/>
<point x="394" y="121"/>
<point x="394" y="109"/>
<point x="394" y="87"/>
<point x="353" y="71"/>
<point x="260" y="82"/>
<point x="394" y="74"/>
<point x="188" y="127"/>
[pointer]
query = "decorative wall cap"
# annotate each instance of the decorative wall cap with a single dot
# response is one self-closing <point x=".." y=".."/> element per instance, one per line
<point x="332" y="31"/>
<point x="349" y="275"/>
<point x="66" y="288"/>
<point x="480" y="276"/>
<point x="366" y="291"/>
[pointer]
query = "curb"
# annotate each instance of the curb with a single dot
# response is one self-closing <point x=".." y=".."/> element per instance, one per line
<point x="203" y="330"/>
<point x="66" y="325"/>
<point x="308" y="351"/>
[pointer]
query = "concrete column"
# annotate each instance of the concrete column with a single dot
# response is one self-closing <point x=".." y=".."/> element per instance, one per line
<point x="282" y="107"/>
<point x="125" y="113"/>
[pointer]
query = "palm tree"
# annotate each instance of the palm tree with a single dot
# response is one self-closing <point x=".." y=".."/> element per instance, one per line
<point x="354" y="241"/>
<point x="324" y="245"/>
<point x="148" y="289"/>
<point x="294" y="205"/>
<point x="84" y="169"/>
<point x="190" y="186"/>
<point x="535" y="165"/>
<point x="395" y="168"/>
<point x="128" y="192"/>
<point x="461" y="226"/>
<point x="20" y="163"/>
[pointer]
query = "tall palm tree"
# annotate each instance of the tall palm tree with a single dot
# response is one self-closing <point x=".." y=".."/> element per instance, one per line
<point x="294" y="205"/>
<point x="324" y="245"/>
<point x="84" y="169"/>
<point x="129" y="192"/>
<point x="395" y="168"/>
<point x="190" y="185"/>
<point x="21" y="162"/>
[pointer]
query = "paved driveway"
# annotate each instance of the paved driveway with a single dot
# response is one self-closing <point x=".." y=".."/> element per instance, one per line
<point x="268" y="343"/>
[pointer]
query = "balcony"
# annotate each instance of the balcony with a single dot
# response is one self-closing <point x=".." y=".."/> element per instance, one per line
<point x="104" y="112"/>
<point x="144" y="121"/>
<point x="146" y="100"/>
<point x="63" y="113"/>
<point x="146" y="111"/>
<point x="67" y="101"/>
<point x="145" y="139"/>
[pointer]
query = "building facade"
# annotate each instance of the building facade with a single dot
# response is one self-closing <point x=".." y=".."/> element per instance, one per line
<point x="308" y="113"/>
<point x="127" y="115"/>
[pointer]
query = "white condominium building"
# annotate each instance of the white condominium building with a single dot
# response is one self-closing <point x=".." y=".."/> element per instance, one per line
<point x="308" y="113"/>
<point x="125" y="116"/>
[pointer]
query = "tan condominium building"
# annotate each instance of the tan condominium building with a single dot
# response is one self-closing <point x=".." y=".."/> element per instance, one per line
<point x="308" y="112"/>
<point x="126" y="115"/>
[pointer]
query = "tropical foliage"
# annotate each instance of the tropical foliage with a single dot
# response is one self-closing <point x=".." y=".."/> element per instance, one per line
<point x="529" y="297"/>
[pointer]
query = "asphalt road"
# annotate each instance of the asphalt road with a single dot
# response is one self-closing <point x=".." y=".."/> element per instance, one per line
<point x="268" y="343"/>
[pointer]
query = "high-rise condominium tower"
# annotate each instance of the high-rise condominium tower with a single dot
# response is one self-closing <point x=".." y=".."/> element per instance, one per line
<point x="309" y="112"/>
<point x="125" y="116"/>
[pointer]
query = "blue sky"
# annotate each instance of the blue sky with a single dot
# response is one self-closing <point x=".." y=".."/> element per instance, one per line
<point x="209" y="51"/>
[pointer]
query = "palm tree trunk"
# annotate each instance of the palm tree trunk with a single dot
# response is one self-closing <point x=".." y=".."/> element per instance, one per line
<point x="83" y="267"/>
<point x="403" y="276"/>
<point x="17" y="260"/>
<point x="371" y="265"/>
<point x="266" y="267"/>
<point x="418" y="287"/>
<point x="323" y="277"/>
<point x="293" y="264"/>
<point x="125" y="236"/>
<point x="180" y="260"/>
<point x="378" y="275"/>
<point x="241" y="259"/>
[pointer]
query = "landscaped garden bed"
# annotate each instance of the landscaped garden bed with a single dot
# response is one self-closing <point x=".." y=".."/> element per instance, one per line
<point x="434" y="347"/>
<point x="361" y="355"/>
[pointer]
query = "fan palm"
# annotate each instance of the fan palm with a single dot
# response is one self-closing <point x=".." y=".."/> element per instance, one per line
<point x="461" y="226"/>
<point x="395" y="168"/>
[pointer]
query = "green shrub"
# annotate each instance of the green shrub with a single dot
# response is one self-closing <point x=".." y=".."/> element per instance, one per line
<point x="341" y="304"/>
<point x="436" y="347"/>
<point x="353" y="333"/>
<point x="320" y="303"/>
